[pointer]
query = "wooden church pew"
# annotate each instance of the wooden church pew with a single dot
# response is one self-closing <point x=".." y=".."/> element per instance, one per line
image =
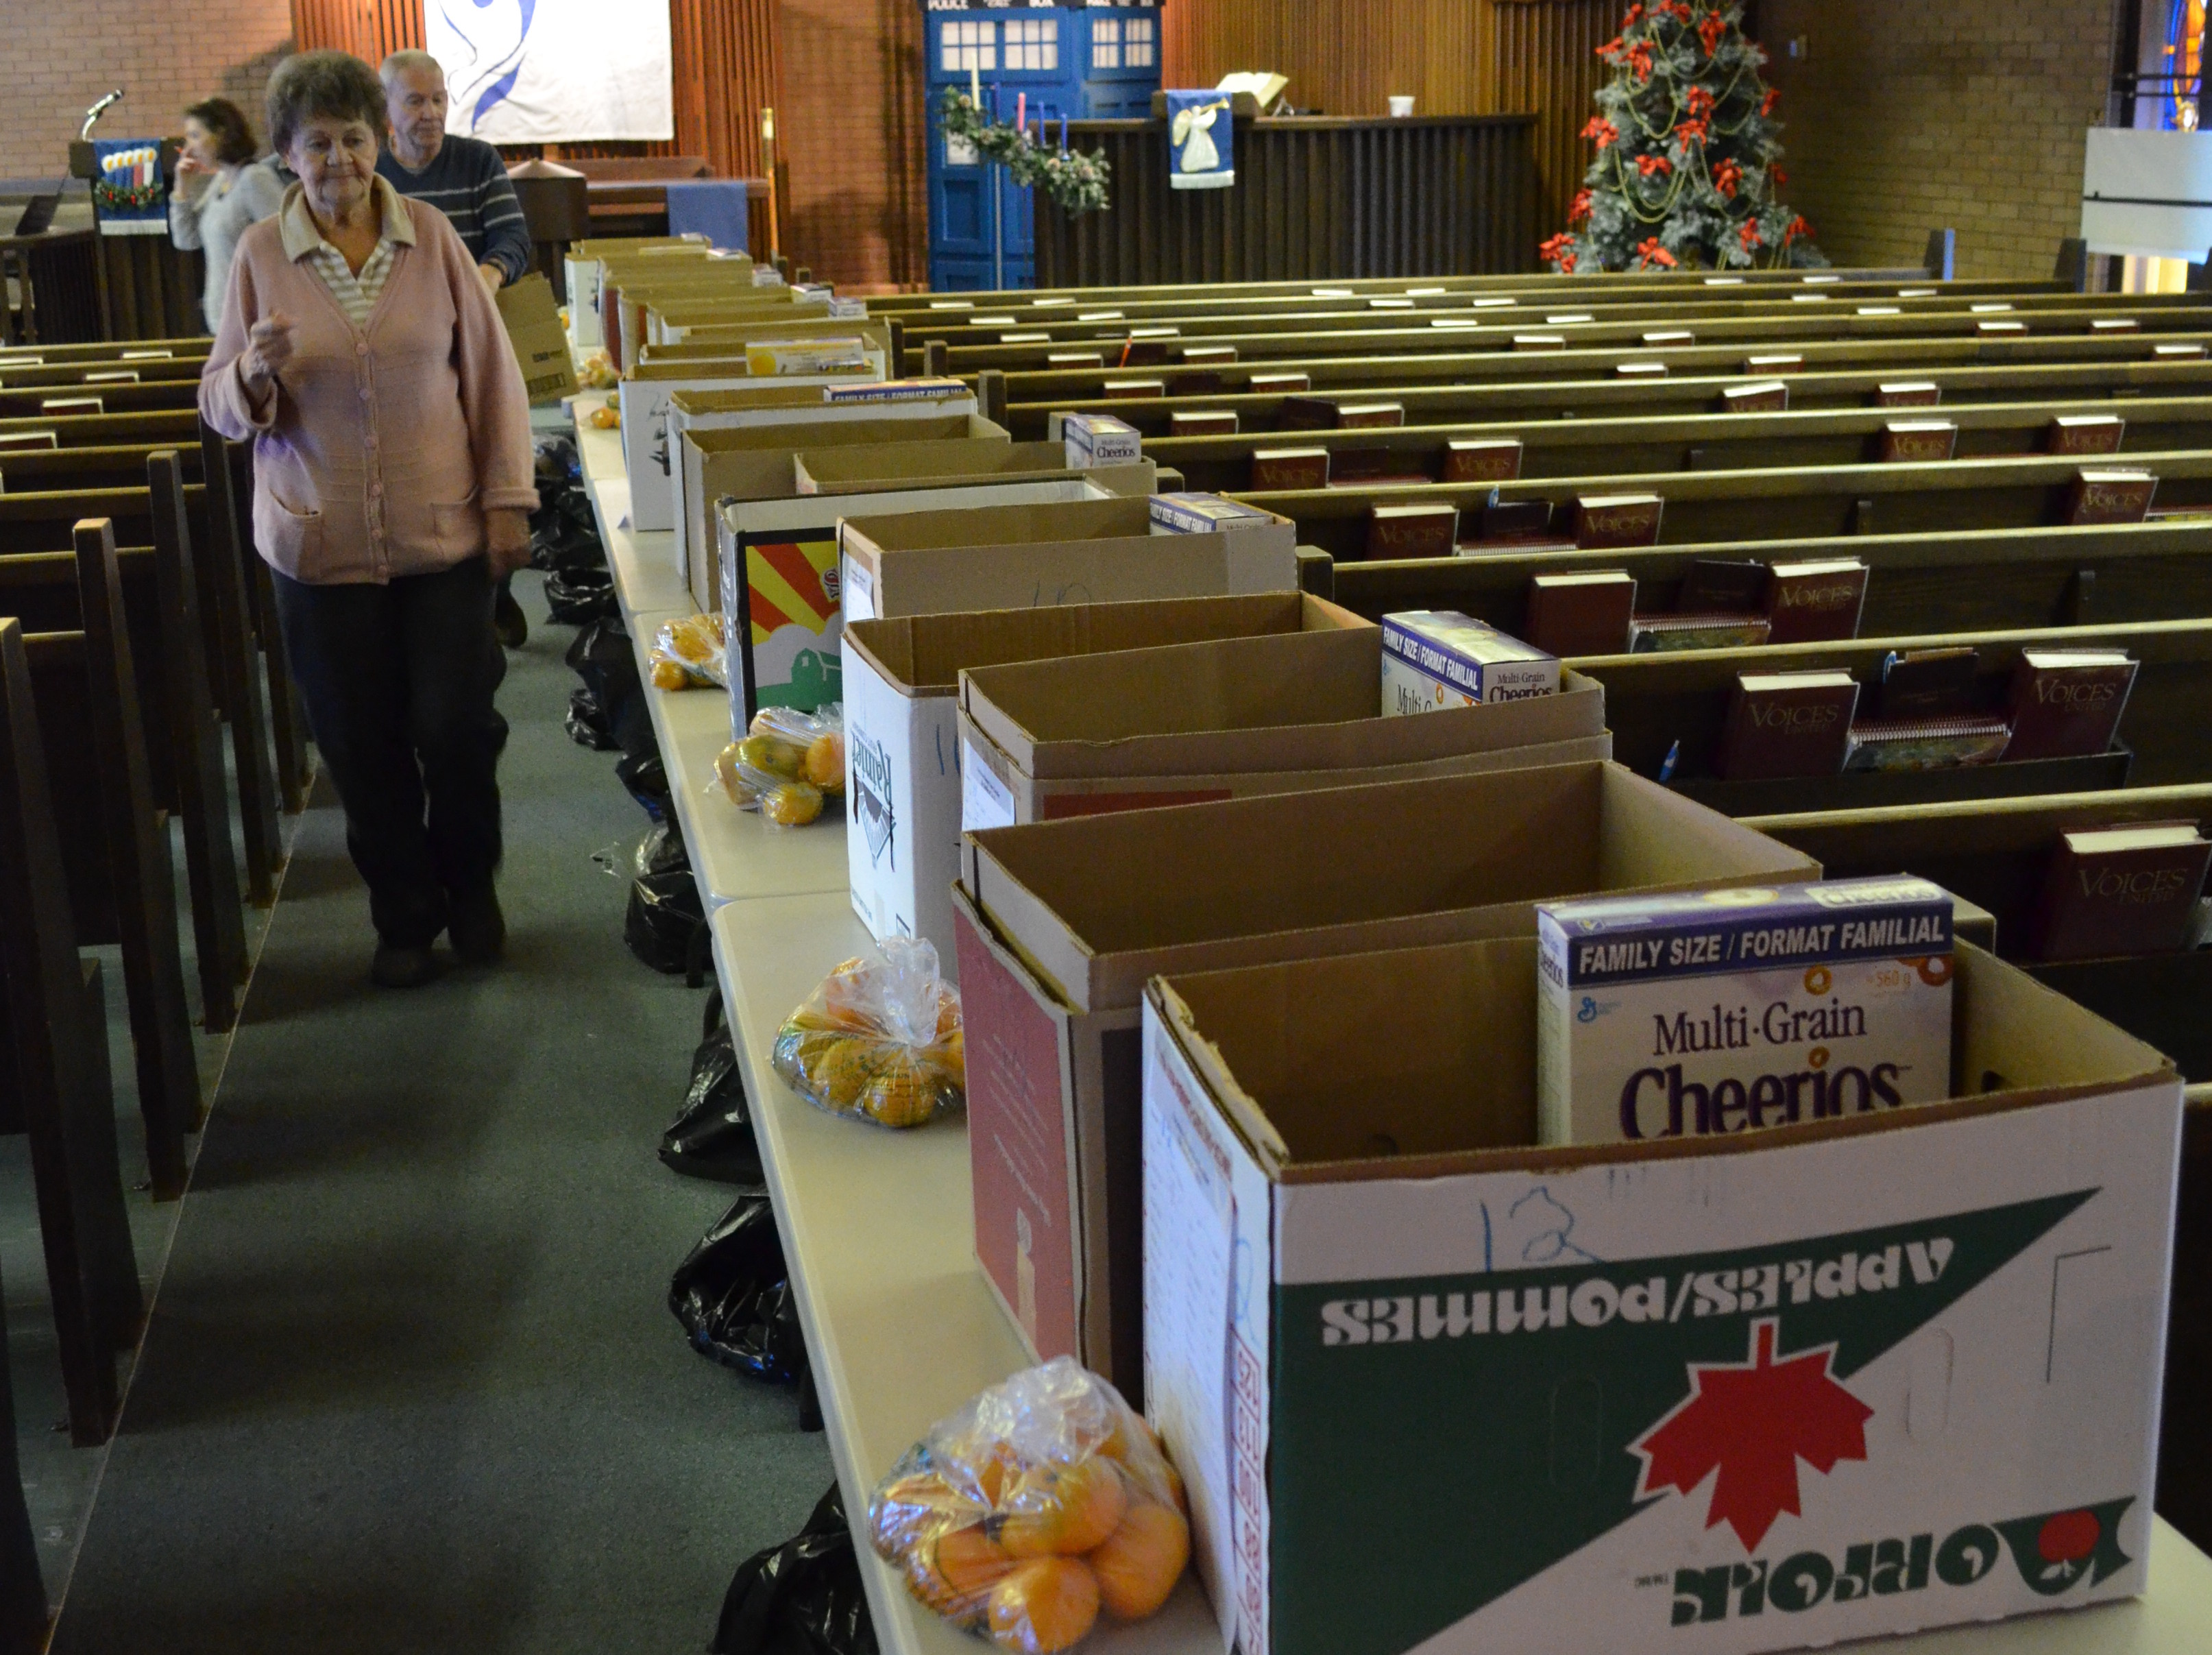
<point x="54" y="1079"/>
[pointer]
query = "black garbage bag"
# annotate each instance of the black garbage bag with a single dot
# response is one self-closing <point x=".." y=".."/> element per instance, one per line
<point x="712" y="1135"/>
<point x="600" y="655"/>
<point x="666" y="925"/>
<point x="646" y="779"/>
<point x="588" y="721"/>
<point x="802" y="1598"/>
<point x="564" y="534"/>
<point x="734" y="1295"/>
<point x="574" y="597"/>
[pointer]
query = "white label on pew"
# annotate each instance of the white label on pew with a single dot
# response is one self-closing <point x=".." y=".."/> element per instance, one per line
<point x="1670" y="336"/>
<point x="1999" y="328"/>
<point x="1026" y="338"/>
<point x="1723" y="281"/>
<point x="952" y="304"/>
<point x="1335" y="293"/>
<point x="1879" y="310"/>
<point x="147" y="355"/>
<point x="2176" y="350"/>
<point x="1916" y="292"/>
<point x="1820" y="281"/>
<point x="2112" y="325"/>
<point x="1099" y="316"/>
<point x="27" y="440"/>
<point x="1055" y="303"/>
<point x="1808" y="298"/>
<point x="1494" y="304"/>
<point x="1988" y="309"/>
<point x="1567" y="318"/>
<point x="73" y="405"/>
<point x="990" y="321"/>
<point x="1389" y="304"/>
<point x="113" y="376"/>
<point x="1644" y="370"/>
<point x="1461" y="324"/>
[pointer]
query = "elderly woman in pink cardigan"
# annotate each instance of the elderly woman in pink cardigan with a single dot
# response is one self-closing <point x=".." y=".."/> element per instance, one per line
<point x="361" y="354"/>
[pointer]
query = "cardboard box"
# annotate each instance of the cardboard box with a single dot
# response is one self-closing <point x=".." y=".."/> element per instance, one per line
<point x="1059" y="924"/>
<point x="755" y="462"/>
<point x="541" y="344"/>
<point x="782" y="590"/>
<point x="1228" y="719"/>
<point x="1430" y="1388"/>
<point x="1098" y="551"/>
<point x="647" y="389"/>
<point x="582" y="264"/>
<point x="902" y="739"/>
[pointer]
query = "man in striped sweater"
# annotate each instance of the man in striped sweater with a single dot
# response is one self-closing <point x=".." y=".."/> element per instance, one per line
<point x="464" y="179"/>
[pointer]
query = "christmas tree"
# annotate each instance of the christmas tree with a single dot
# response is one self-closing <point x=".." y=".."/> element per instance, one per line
<point x="1685" y="172"/>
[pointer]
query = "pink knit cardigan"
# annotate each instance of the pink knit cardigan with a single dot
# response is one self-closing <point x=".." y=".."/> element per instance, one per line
<point x="383" y="446"/>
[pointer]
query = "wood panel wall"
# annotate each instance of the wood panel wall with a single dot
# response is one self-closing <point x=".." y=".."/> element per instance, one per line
<point x="1546" y="62"/>
<point x="1455" y="57"/>
<point x="724" y="55"/>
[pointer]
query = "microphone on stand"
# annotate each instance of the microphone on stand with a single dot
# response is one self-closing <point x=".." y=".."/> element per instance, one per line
<point x="98" y="109"/>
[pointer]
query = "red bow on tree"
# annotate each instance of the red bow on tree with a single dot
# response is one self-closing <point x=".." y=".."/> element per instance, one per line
<point x="1602" y="129"/>
<point x="1749" y="236"/>
<point x="1635" y="13"/>
<point x="1779" y="177"/>
<point x="1693" y="130"/>
<point x="1578" y="208"/>
<point x="1650" y="252"/>
<point x="1711" y="31"/>
<point x="1639" y="59"/>
<point x="1797" y="226"/>
<point x="1773" y="96"/>
<point x="1611" y="50"/>
<point x="1559" y="250"/>
<point x="1654" y="165"/>
<point x="1679" y="9"/>
<point x="1699" y="102"/>
<point x="1726" y="176"/>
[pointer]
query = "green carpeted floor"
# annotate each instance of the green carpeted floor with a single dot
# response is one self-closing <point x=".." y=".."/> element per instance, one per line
<point x="411" y="1383"/>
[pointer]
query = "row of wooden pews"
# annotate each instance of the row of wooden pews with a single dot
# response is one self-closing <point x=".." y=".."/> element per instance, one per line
<point x="1437" y="451"/>
<point x="142" y="685"/>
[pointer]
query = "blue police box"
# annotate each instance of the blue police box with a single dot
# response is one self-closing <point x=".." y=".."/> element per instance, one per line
<point x="1081" y="62"/>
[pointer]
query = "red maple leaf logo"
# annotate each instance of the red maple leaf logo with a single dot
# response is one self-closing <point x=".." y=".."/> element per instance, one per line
<point x="1753" y="1422"/>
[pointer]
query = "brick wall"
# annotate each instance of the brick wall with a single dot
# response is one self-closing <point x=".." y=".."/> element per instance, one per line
<point x="1906" y="117"/>
<point x="851" y="129"/>
<point x="64" y="53"/>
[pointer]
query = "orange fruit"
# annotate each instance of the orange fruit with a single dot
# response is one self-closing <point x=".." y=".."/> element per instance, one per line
<point x="1140" y="1561"/>
<point x="825" y="761"/>
<point x="1066" y="1509"/>
<point x="900" y="1094"/>
<point x="970" y="1561"/>
<point x="949" y="1057"/>
<point x="841" y="1071"/>
<point x="899" y="1515"/>
<point x="1043" y="1606"/>
<point x="667" y="675"/>
<point x="725" y="772"/>
<point x="793" y="805"/>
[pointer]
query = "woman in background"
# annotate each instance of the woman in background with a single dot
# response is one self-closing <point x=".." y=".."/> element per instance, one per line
<point x="221" y="189"/>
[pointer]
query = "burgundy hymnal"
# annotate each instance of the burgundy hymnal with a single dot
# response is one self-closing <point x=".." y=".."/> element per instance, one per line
<point x="2131" y="890"/>
<point x="1787" y="724"/>
<point x="1815" y="601"/>
<point x="2067" y="702"/>
<point x="1585" y="613"/>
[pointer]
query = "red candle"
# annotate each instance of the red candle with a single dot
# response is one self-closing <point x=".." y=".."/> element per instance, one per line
<point x="1021" y="111"/>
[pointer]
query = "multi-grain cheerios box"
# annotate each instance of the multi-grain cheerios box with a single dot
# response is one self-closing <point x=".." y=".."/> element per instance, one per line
<point x="1693" y="1013"/>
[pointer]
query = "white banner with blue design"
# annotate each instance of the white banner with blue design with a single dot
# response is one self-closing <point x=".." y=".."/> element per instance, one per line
<point x="1199" y="130"/>
<point x="553" y="71"/>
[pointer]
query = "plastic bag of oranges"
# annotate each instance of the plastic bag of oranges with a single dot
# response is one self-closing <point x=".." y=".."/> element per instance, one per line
<point x="688" y="653"/>
<point x="880" y="1039"/>
<point x="788" y="766"/>
<point x="1041" y="1505"/>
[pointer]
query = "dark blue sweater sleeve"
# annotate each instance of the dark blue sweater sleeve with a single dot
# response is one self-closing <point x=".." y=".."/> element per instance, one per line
<point x="506" y="232"/>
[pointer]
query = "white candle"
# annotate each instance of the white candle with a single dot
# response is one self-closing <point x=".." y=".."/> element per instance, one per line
<point x="974" y="87"/>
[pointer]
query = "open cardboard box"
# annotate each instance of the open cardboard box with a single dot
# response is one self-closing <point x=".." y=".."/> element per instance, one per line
<point x="901" y="682"/>
<point x="1230" y="718"/>
<point x="581" y="265"/>
<point x="1059" y="924"/>
<point x="779" y="571"/>
<point x="648" y="439"/>
<point x="631" y="299"/>
<point x="849" y="470"/>
<point x="1431" y="1388"/>
<point x="1096" y="551"/>
<point x="754" y="462"/>
<point x="540" y="344"/>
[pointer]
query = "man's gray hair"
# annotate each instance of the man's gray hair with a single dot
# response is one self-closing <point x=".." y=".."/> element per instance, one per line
<point x="399" y="63"/>
<point x="321" y="86"/>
